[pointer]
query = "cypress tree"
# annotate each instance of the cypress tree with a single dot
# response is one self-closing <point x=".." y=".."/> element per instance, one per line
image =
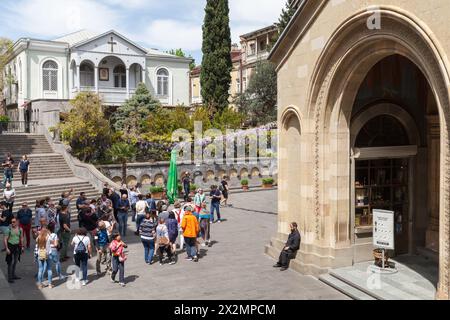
<point x="215" y="76"/>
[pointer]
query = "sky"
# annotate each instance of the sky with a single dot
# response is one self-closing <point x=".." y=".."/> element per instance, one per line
<point x="160" y="24"/>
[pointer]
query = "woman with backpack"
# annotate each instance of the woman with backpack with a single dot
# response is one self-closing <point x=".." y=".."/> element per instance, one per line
<point x="172" y="228"/>
<point x="147" y="232"/>
<point x="53" y="258"/>
<point x="162" y="236"/>
<point x="117" y="247"/>
<point x="43" y="252"/>
<point x="82" y="252"/>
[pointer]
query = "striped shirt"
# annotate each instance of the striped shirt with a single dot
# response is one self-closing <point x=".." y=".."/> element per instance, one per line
<point x="147" y="229"/>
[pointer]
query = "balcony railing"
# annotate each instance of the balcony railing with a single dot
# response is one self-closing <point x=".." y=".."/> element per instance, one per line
<point x="18" y="127"/>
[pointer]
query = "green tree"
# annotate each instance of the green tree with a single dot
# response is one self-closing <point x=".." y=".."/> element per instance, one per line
<point x="202" y="115"/>
<point x="286" y="15"/>
<point x="180" y="53"/>
<point x="129" y="118"/>
<point x="124" y="153"/>
<point x="259" y="101"/>
<point x="5" y="52"/>
<point x="85" y="127"/>
<point x="215" y="76"/>
<point x="228" y="119"/>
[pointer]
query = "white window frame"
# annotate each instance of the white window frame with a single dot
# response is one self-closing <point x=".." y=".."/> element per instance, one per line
<point x="165" y="79"/>
<point x="52" y="73"/>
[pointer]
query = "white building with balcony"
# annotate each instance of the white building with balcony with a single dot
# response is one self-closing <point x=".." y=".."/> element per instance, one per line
<point x="42" y="76"/>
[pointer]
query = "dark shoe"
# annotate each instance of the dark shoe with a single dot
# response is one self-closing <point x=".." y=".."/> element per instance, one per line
<point x="136" y="233"/>
<point x="10" y="280"/>
<point x="283" y="269"/>
<point x="16" y="278"/>
<point x="3" y="250"/>
<point x="277" y="265"/>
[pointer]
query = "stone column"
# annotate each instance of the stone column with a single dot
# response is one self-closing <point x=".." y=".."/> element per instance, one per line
<point x="143" y="75"/>
<point x="78" y="78"/>
<point x="96" y="79"/>
<point x="128" y="82"/>
<point x="432" y="233"/>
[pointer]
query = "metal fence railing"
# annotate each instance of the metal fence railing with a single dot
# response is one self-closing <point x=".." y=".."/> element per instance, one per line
<point x="19" y="127"/>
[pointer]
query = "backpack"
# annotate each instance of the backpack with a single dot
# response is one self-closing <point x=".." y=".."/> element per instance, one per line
<point x="81" y="248"/>
<point x="177" y="215"/>
<point x="42" y="254"/>
<point x="102" y="238"/>
<point x="172" y="227"/>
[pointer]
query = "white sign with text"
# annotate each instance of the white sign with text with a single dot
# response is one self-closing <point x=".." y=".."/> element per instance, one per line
<point x="383" y="229"/>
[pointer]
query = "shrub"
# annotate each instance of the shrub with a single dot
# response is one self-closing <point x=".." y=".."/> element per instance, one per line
<point x="244" y="182"/>
<point x="156" y="189"/>
<point x="267" y="181"/>
<point x="4" y="119"/>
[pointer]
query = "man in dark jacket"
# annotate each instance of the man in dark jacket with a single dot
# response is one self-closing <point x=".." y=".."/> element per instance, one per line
<point x="290" y="249"/>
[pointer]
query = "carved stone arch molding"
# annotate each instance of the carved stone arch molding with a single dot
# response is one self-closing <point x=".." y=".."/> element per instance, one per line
<point x="350" y="53"/>
<point x="389" y="109"/>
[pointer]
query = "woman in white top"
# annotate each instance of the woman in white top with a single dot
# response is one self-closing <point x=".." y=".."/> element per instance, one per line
<point x="82" y="252"/>
<point x="9" y="195"/>
<point x="53" y="259"/>
<point x="141" y="208"/>
<point x="162" y="238"/>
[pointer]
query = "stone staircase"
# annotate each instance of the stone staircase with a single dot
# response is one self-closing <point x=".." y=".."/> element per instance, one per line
<point x="50" y="175"/>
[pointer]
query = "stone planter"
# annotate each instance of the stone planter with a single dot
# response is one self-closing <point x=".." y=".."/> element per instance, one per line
<point x="157" y="195"/>
<point x="245" y="188"/>
<point x="267" y="186"/>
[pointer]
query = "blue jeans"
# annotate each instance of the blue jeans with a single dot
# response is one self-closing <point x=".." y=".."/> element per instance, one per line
<point x="123" y="217"/>
<point x="190" y="247"/>
<point x="139" y="219"/>
<point x="81" y="260"/>
<point x="53" y="260"/>
<point x="42" y="268"/>
<point x="149" y="249"/>
<point x="7" y="177"/>
<point x="216" y="206"/>
<point x="118" y="266"/>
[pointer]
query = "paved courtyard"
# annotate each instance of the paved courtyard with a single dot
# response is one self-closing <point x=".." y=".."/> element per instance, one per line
<point x="235" y="267"/>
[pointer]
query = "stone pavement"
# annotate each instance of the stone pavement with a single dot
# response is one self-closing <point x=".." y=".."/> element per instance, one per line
<point x="235" y="267"/>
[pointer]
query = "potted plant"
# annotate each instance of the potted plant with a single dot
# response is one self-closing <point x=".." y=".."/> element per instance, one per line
<point x="4" y="123"/>
<point x="267" y="183"/>
<point x="157" y="192"/>
<point x="244" y="184"/>
<point x="193" y="188"/>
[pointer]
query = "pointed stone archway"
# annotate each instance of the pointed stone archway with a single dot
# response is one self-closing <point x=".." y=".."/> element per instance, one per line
<point x="349" y="55"/>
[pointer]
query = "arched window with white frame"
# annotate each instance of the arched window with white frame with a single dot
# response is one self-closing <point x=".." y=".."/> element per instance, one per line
<point x="162" y="88"/>
<point x="120" y="77"/>
<point x="87" y="75"/>
<point x="50" y="76"/>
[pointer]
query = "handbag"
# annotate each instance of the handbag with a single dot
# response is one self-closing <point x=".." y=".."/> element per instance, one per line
<point x="163" y="241"/>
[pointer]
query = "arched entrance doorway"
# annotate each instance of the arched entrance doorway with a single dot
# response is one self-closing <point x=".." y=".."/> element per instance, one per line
<point x="347" y="59"/>
<point x="395" y="139"/>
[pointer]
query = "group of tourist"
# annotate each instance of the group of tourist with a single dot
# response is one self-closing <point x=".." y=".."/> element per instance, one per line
<point x="102" y="227"/>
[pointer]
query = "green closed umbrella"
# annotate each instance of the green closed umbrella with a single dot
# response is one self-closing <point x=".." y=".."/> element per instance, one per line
<point x="172" y="180"/>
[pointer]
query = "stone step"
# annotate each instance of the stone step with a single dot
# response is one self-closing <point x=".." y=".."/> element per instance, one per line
<point x="345" y="288"/>
<point x="44" y="192"/>
<point x="44" y="169"/>
<point x="357" y="287"/>
<point x="50" y="187"/>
